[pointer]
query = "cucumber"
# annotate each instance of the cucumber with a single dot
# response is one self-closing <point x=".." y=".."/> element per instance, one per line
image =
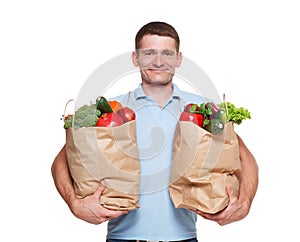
<point x="215" y="126"/>
<point x="103" y="105"/>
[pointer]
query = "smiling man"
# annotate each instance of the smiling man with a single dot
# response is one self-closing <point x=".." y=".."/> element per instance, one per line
<point x="158" y="103"/>
<point x="157" y="59"/>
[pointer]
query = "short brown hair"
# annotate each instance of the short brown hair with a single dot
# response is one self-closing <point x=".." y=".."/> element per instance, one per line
<point x="157" y="28"/>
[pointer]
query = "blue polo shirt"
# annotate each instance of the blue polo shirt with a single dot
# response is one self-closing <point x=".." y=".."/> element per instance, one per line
<point x="157" y="218"/>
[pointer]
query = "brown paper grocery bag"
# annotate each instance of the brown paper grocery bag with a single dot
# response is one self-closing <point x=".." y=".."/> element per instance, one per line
<point x="202" y="165"/>
<point x="109" y="154"/>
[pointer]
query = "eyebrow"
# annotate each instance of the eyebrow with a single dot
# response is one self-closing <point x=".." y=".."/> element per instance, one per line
<point x="151" y="49"/>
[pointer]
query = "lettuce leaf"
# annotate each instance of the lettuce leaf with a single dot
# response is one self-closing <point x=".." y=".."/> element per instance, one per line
<point x="235" y="115"/>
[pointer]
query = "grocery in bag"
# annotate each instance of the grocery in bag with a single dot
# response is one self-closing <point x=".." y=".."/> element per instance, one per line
<point x="205" y="157"/>
<point x="105" y="149"/>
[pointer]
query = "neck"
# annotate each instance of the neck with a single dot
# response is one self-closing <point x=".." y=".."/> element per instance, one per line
<point x="160" y="93"/>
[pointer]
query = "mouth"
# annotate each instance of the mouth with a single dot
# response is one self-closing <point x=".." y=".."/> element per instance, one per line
<point x="158" y="70"/>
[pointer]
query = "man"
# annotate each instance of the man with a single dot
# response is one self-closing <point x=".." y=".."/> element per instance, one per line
<point x="158" y="103"/>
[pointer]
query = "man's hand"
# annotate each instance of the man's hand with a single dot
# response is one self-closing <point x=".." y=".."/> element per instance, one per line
<point x="233" y="212"/>
<point x="239" y="205"/>
<point x="90" y="210"/>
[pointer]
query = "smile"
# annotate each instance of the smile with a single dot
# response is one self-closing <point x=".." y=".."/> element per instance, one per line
<point x="158" y="70"/>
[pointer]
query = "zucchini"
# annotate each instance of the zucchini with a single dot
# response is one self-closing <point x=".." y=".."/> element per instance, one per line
<point x="215" y="126"/>
<point x="103" y="105"/>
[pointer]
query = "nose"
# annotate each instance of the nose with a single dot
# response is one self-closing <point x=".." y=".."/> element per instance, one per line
<point x="157" y="61"/>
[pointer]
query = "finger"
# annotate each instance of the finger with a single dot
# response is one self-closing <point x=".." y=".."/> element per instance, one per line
<point x="229" y="191"/>
<point x="232" y="194"/>
<point x="118" y="213"/>
<point x="221" y="222"/>
<point x="100" y="189"/>
<point x="200" y="213"/>
<point x="114" y="214"/>
<point x="204" y="215"/>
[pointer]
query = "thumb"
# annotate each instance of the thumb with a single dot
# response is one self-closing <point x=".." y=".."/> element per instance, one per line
<point x="229" y="191"/>
<point x="100" y="189"/>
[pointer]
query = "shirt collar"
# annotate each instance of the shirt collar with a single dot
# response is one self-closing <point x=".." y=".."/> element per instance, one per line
<point x="139" y="92"/>
<point x="176" y="91"/>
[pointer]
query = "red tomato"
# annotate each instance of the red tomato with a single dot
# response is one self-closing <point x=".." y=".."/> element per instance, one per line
<point x="127" y="114"/>
<point x="196" y="118"/>
<point x="109" y="120"/>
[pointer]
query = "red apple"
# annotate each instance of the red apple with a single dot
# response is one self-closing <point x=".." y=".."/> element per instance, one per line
<point x="127" y="114"/>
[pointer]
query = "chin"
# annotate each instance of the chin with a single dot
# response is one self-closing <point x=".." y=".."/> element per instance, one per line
<point x="160" y="80"/>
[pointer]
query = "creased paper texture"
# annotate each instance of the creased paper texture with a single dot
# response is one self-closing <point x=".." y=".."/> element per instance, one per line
<point x="109" y="154"/>
<point x="203" y="165"/>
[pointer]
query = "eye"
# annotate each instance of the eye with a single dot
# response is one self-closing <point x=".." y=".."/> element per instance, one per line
<point x="168" y="53"/>
<point x="148" y="53"/>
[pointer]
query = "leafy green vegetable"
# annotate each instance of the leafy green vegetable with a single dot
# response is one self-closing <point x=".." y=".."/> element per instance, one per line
<point x="235" y="115"/>
<point x="86" y="116"/>
<point x="68" y="122"/>
<point x="206" y="111"/>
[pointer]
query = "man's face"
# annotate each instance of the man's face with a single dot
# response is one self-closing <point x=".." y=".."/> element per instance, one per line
<point x="157" y="59"/>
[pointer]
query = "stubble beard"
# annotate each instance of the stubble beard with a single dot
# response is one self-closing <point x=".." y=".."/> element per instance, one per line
<point x="151" y="78"/>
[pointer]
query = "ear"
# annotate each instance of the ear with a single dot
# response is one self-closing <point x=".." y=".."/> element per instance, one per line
<point x="179" y="59"/>
<point x="134" y="58"/>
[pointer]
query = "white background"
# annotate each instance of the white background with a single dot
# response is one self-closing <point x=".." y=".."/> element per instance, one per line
<point x="249" y="49"/>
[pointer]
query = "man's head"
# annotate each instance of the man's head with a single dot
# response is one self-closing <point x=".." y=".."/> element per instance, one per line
<point x="157" y="53"/>
<point x="157" y="28"/>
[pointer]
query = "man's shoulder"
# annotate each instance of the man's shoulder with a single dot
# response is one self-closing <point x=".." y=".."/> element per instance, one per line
<point x="119" y="98"/>
<point x="189" y="97"/>
<point x="126" y="99"/>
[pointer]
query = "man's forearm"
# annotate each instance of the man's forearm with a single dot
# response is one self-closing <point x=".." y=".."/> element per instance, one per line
<point x="62" y="177"/>
<point x="249" y="176"/>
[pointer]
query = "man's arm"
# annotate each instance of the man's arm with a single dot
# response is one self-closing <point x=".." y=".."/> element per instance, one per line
<point x="249" y="177"/>
<point x="239" y="207"/>
<point x="88" y="209"/>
